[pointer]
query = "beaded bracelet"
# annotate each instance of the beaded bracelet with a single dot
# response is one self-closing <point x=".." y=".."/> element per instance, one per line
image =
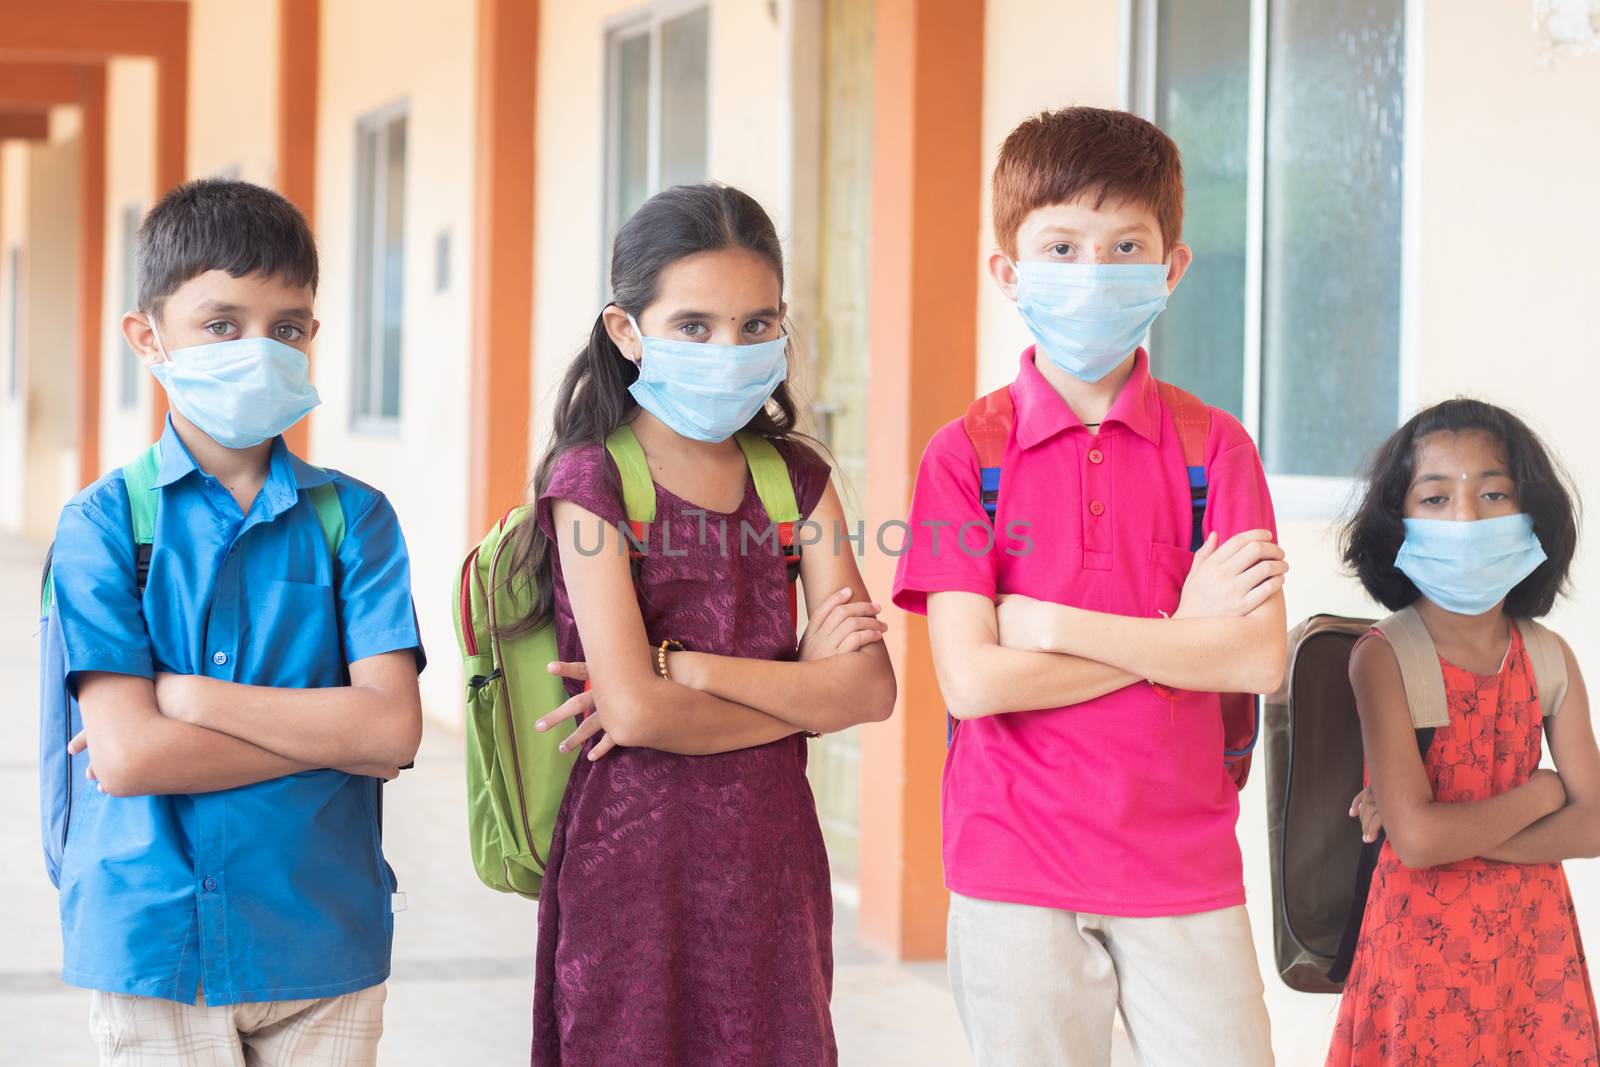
<point x="661" y="656"/>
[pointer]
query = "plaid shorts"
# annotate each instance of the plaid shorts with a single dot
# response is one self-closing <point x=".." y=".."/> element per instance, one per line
<point x="150" y="1032"/>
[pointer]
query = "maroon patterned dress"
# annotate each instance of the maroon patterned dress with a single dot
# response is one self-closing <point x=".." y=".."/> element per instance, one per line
<point x="686" y="916"/>
<point x="1475" y="962"/>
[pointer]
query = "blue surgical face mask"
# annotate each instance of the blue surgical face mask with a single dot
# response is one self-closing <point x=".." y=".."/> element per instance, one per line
<point x="1469" y="567"/>
<point x="1088" y="317"/>
<point x="704" y="391"/>
<point x="240" y="392"/>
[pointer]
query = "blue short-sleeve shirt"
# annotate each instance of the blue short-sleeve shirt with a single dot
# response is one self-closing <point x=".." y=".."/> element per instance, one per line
<point x="273" y="891"/>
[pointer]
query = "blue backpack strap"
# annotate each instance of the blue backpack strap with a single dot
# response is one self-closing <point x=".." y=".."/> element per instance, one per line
<point x="988" y="422"/>
<point x="1193" y="422"/>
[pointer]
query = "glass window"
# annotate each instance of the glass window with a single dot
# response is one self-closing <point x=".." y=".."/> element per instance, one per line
<point x="1293" y="153"/>
<point x="380" y="268"/>
<point x="128" y="376"/>
<point x="1203" y="102"/>
<point x="657" y="125"/>
<point x="1330" y="343"/>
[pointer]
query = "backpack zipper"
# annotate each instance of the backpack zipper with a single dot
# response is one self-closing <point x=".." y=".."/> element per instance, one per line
<point x="505" y="691"/>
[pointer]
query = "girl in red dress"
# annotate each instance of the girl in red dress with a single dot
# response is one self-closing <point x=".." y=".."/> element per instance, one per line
<point x="1469" y="951"/>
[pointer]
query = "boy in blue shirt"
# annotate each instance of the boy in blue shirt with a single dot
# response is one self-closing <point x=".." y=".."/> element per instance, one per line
<point x="224" y="888"/>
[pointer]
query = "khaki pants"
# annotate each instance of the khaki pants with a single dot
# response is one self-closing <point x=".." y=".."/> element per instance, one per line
<point x="1039" y="987"/>
<point x="149" y="1032"/>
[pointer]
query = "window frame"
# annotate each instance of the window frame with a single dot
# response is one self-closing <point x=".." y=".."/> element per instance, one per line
<point x="646" y="21"/>
<point x="1298" y="496"/>
<point x="364" y="421"/>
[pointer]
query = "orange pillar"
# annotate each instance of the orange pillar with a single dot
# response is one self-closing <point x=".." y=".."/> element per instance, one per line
<point x="502" y="322"/>
<point x="91" y="266"/>
<point x="299" y="65"/>
<point x="928" y="172"/>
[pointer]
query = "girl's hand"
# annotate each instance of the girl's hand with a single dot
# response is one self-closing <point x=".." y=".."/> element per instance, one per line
<point x="1365" y="808"/>
<point x="1023" y="621"/>
<point x="1233" y="579"/>
<point x="840" y="626"/>
<point x="574" y="707"/>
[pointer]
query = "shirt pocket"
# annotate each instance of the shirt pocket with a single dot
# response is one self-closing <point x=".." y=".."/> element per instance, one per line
<point x="296" y="635"/>
<point x="1168" y="569"/>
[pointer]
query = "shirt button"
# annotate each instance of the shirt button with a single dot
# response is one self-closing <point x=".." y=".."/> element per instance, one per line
<point x="1096" y="456"/>
<point x="209" y="885"/>
<point x="219" y="658"/>
<point x="1096" y="508"/>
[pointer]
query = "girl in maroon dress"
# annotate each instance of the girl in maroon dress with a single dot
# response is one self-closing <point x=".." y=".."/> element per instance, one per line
<point x="1469" y="950"/>
<point x="686" y="914"/>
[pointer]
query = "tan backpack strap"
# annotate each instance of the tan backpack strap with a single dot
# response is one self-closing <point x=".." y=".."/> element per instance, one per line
<point x="1549" y="664"/>
<point x="1419" y="668"/>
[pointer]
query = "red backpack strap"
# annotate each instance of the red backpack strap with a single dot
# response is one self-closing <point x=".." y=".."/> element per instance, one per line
<point x="988" y="422"/>
<point x="1192" y="419"/>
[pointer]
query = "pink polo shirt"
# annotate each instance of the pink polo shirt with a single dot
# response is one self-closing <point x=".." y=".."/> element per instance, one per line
<point x="1121" y="805"/>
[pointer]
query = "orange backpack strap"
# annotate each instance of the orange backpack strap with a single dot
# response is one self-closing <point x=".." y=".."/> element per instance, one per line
<point x="988" y="422"/>
<point x="1193" y="421"/>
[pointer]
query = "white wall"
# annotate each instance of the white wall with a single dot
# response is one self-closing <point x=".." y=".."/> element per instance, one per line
<point x="14" y="198"/>
<point x="233" y="89"/>
<point x="130" y="180"/>
<point x="372" y="58"/>
<point x="748" y="148"/>
<point x="1508" y="279"/>
<point x="51" y="314"/>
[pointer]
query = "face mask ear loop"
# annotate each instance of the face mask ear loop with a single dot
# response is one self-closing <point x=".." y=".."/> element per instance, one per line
<point x="151" y="319"/>
<point x="636" y="332"/>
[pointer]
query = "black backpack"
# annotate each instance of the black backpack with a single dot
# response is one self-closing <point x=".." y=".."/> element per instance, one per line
<point x="1321" y="869"/>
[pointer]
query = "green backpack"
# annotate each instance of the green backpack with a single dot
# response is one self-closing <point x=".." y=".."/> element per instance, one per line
<point x="517" y="776"/>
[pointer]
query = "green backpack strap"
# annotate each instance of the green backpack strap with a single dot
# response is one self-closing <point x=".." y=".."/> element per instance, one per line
<point x="330" y="515"/>
<point x="771" y="475"/>
<point x="638" y="490"/>
<point x="140" y="477"/>
<point x="776" y="490"/>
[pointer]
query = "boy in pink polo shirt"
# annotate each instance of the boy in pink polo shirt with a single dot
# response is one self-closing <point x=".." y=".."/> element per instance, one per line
<point x="1089" y="819"/>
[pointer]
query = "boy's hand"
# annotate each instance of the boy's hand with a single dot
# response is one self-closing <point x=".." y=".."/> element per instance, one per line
<point x="1233" y="579"/>
<point x="79" y="742"/>
<point x="177" y="696"/>
<point x="1024" y="622"/>
<point x="841" y="626"/>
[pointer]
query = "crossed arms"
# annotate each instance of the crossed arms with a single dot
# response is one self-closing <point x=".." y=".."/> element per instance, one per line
<point x="716" y="703"/>
<point x="1016" y="653"/>
<point x="193" y="734"/>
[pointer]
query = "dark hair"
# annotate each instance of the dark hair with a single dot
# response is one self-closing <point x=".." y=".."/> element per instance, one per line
<point x="1372" y="537"/>
<point x="1055" y="157"/>
<point x="593" y="399"/>
<point x="221" y="224"/>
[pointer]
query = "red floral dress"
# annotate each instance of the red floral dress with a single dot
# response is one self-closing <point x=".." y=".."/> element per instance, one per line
<point x="1476" y="962"/>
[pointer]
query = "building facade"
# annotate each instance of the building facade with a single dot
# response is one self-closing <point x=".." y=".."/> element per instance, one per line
<point x="1391" y="202"/>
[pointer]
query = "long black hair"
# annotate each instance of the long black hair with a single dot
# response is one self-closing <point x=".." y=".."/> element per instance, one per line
<point x="593" y="399"/>
<point x="1372" y="538"/>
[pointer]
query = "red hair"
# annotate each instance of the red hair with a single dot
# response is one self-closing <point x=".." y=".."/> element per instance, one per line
<point x="1056" y="157"/>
